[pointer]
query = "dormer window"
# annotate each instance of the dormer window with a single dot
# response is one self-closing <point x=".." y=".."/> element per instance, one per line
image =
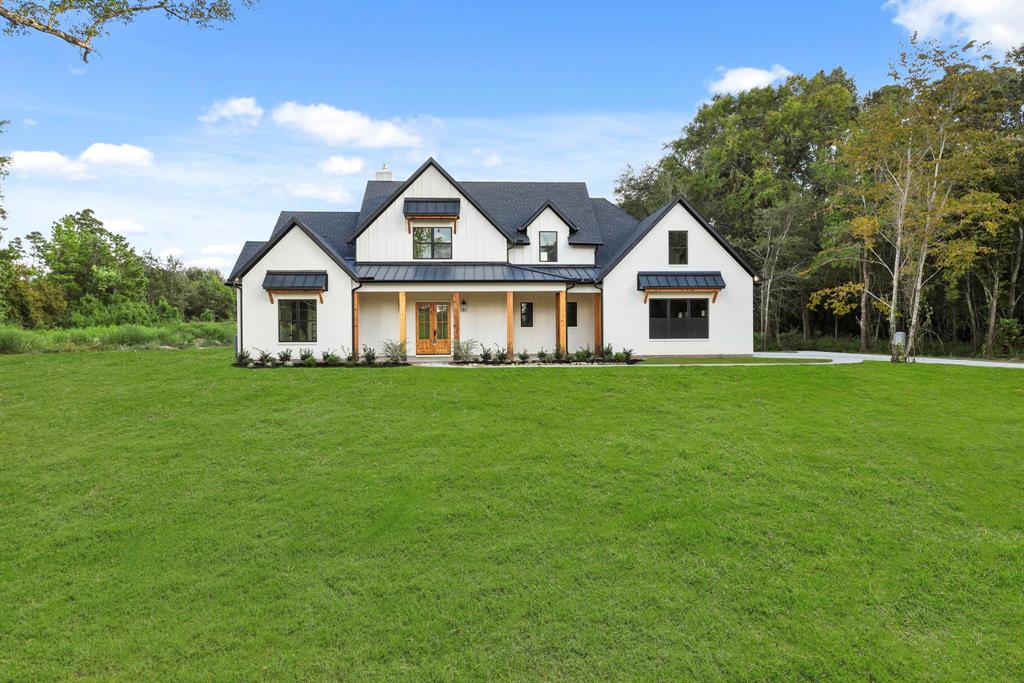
<point x="431" y="242"/>
<point x="548" y="246"/>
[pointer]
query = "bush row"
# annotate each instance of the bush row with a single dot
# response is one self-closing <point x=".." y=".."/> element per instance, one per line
<point x="97" y="338"/>
<point x="394" y="354"/>
<point x="466" y="351"/>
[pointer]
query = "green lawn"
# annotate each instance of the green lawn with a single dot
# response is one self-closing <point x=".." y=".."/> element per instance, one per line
<point x="729" y="360"/>
<point x="164" y="515"/>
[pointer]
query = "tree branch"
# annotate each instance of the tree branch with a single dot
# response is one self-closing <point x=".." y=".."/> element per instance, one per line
<point x="21" y="20"/>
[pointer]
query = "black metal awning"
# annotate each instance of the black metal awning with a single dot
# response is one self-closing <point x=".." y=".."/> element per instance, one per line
<point x="432" y="207"/>
<point x="705" y="279"/>
<point x="307" y="280"/>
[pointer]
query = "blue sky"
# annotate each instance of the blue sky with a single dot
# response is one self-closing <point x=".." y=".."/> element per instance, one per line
<point x="190" y="141"/>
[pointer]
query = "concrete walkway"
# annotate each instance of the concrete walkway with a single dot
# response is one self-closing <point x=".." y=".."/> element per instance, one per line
<point x="847" y="358"/>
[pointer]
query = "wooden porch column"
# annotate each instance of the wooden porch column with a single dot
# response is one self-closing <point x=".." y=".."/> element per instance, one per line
<point x="355" y="325"/>
<point x="562" y="332"/>
<point x="508" y="323"/>
<point x="456" y="310"/>
<point x="401" y="317"/>
<point x="598" y="341"/>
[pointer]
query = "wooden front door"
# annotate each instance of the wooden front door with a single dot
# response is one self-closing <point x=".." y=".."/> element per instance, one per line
<point x="433" y="329"/>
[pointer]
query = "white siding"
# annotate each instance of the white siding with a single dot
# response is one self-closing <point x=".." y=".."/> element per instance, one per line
<point x="548" y="220"/>
<point x="388" y="238"/>
<point x="731" y="318"/>
<point x="583" y="333"/>
<point x="258" y="322"/>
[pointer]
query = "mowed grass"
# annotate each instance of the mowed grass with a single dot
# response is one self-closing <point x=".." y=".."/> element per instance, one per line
<point x="729" y="360"/>
<point x="164" y="515"/>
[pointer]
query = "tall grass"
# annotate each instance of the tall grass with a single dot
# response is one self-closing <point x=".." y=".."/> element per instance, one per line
<point x="176" y="335"/>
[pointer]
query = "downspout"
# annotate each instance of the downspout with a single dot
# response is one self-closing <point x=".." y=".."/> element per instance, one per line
<point x="238" y="323"/>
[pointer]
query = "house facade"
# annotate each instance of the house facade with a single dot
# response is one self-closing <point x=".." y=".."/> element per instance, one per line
<point x="516" y="265"/>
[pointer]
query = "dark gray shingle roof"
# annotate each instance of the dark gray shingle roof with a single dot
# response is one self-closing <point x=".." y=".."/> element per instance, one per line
<point x="249" y="250"/>
<point x="696" y="279"/>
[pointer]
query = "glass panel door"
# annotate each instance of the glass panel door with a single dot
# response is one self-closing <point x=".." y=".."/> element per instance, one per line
<point x="442" y="340"/>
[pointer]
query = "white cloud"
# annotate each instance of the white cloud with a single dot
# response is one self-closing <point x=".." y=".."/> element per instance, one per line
<point x="106" y="154"/>
<point x="341" y="165"/>
<point x="30" y="122"/>
<point x="169" y="251"/>
<point x="221" y="249"/>
<point x="1000" y="22"/>
<point x="47" y="164"/>
<point x="327" y="193"/>
<point x="492" y="160"/>
<point x="241" y="109"/>
<point x="747" y="77"/>
<point x="340" y="127"/>
<point x="215" y="262"/>
<point x="123" y="226"/>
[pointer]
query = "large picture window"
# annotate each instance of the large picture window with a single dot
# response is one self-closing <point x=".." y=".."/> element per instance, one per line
<point x="525" y="314"/>
<point x="678" y="318"/>
<point x="548" y="246"/>
<point x="431" y="243"/>
<point x="296" y="320"/>
<point x="678" y="248"/>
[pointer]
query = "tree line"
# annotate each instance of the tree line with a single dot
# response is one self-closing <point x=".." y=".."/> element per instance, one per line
<point x="898" y="210"/>
<point x="84" y="275"/>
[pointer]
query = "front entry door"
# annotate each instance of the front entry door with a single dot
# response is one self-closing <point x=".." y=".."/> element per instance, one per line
<point x="433" y="329"/>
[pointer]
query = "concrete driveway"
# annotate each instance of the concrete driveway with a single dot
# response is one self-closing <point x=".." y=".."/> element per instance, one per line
<point x="861" y="357"/>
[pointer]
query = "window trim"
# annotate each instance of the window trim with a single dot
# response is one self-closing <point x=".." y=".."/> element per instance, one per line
<point x="668" y="307"/>
<point x="551" y="247"/>
<point x="525" y="314"/>
<point x="433" y="243"/>
<point x="685" y="248"/>
<point x="310" y="319"/>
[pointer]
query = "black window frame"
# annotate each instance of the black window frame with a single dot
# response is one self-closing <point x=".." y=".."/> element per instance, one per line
<point x="671" y="325"/>
<point x="674" y="251"/>
<point x="571" y="313"/>
<point x="550" y="249"/>
<point x="294" y="319"/>
<point x="433" y="242"/>
<point x="525" y="314"/>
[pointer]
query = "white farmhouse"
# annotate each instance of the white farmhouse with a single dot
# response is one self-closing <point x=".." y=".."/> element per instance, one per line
<point x="520" y="265"/>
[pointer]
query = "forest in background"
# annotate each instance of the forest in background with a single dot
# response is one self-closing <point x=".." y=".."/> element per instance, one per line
<point x="901" y="209"/>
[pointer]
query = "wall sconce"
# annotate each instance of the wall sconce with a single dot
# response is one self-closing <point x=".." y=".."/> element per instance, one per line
<point x="463" y="305"/>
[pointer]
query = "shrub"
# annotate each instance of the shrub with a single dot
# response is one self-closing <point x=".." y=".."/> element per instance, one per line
<point x="486" y="354"/>
<point x="1009" y="338"/>
<point x="309" y="361"/>
<point x="523" y="356"/>
<point x="264" y="357"/>
<point x="542" y="355"/>
<point x="332" y="359"/>
<point x="243" y="357"/>
<point x="464" y="349"/>
<point x="583" y="353"/>
<point x="628" y="353"/>
<point x="13" y="340"/>
<point x="284" y="355"/>
<point x="305" y="354"/>
<point x="395" y="351"/>
<point x="619" y="357"/>
<point x="558" y="356"/>
<point x="501" y="355"/>
<point x="369" y="355"/>
<point x="607" y="351"/>
<point x="325" y="353"/>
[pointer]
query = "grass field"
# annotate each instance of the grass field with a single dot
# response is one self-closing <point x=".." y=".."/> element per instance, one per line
<point x="164" y="515"/>
<point x="728" y="360"/>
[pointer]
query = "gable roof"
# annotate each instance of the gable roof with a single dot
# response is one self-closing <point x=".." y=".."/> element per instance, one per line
<point x="285" y="224"/>
<point x="371" y="216"/>
<point x="647" y="224"/>
<point x="544" y="207"/>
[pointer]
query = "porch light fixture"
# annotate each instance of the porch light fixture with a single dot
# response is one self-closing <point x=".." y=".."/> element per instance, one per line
<point x="463" y="305"/>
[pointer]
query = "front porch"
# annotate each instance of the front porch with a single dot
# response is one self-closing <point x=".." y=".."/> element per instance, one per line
<point x="428" y="320"/>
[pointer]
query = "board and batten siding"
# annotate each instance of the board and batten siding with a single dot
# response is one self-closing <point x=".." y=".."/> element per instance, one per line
<point x="730" y="318"/>
<point x="258" y="323"/>
<point x="549" y="221"/>
<point x="388" y="238"/>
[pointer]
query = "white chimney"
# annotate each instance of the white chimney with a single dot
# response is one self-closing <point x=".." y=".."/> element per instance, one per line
<point x="384" y="174"/>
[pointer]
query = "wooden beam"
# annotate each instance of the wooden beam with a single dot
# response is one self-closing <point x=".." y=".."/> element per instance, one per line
<point x="682" y="290"/>
<point x="270" y="295"/>
<point x="598" y="340"/>
<point x="508" y="323"/>
<point x="562" y="331"/>
<point x="308" y="292"/>
<point x="456" y="311"/>
<point x="355" y="325"/>
<point x="401" y="317"/>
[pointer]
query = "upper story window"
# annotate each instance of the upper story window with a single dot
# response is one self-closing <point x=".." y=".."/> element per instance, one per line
<point x="548" y="246"/>
<point x="678" y="248"/>
<point x="431" y="243"/>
